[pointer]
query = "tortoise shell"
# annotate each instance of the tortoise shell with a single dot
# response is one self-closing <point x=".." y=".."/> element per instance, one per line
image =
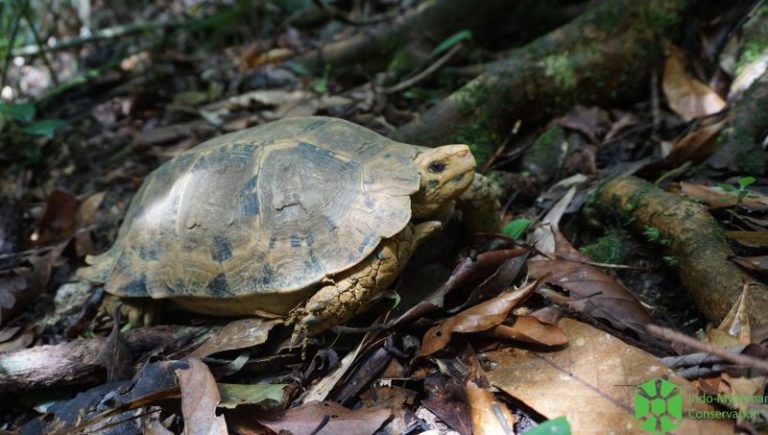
<point x="271" y="209"/>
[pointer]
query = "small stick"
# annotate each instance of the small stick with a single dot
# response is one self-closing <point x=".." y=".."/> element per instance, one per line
<point x="678" y="337"/>
<point x="426" y="73"/>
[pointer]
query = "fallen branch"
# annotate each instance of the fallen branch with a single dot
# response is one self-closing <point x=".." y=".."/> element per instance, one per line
<point x="693" y="239"/>
<point x="77" y="362"/>
<point x="605" y="55"/>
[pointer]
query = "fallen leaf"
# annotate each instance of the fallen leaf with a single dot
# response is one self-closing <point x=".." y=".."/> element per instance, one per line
<point x="467" y="271"/>
<point x="531" y="330"/>
<point x="326" y="418"/>
<point x="592" y="383"/>
<point x="489" y="416"/>
<point x="752" y="239"/>
<point x="199" y="399"/>
<point x="687" y="96"/>
<point x="264" y="396"/>
<point x="238" y="334"/>
<point x="715" y="197"/>
<point x="59" y="218"/>
<point x="591" y="289"/>
<point x="757" y="264"/>
<point x="480" y="317"/>
<point x="698" y="144"/>
<point x="20" y="286"/>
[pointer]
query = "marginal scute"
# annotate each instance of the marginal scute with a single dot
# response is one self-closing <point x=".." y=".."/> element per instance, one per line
<point x="272" y="209"/>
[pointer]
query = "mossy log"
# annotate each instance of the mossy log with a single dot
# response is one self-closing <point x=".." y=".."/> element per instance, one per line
<point x="491" y="22"/>
<point x="604" y="56"/>
<point x="693" y="239"/>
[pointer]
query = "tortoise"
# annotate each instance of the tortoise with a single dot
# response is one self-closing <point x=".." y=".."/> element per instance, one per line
<point x="307" y="218"/>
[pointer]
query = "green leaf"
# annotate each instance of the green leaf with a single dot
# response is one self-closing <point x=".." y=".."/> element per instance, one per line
<point x="450" y="41"/>
<point x="20" y="112"/>
<point x="745" y="182"/>
<point x="516" y="228"/>
<point x="266" y="396"/>
<point x="556" y="426"/>
<point x="44" y="127"/>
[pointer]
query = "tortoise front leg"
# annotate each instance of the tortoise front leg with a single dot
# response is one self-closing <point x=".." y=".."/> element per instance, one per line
<point x="355" y="289"/>
<point x="479" y="206"/>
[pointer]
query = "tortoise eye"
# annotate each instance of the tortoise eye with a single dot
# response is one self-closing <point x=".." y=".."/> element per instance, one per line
<point x="437" y="167"/>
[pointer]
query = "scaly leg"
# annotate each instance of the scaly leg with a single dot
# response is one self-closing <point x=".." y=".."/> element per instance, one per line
<point x="355" y="289"/>
<point x="479" y="206"/>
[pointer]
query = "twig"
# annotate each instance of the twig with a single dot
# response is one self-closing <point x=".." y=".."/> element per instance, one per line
<point x="9" y="54"/>
<point x="109" y="33"/>
<point x="40" y="44"/>
<point x="426" y="73"/>
<point x="678" y="337"/>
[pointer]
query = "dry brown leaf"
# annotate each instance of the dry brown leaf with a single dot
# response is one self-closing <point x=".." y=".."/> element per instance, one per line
<point x="687" y="96"/>
<point x="480" y="317"/>
<point x="531" y="330"/>
<point x="591" y="382"/>
<point x="85" y="216"/>
<point x="467" y="271"/>
<point x="755" y="264"/>
<point x="331" y="417"/>
<point x="698" y="144"/>
<point x="716" y="197"/>
<point x="59" y="219"/>
<point x="237" y="334"/>
<point x="489" y="416"/>
<point x="21" y="286"/>
<point x="753" y="239"/>
<point x="199" y="399"/>
<point x="591" y="289"/>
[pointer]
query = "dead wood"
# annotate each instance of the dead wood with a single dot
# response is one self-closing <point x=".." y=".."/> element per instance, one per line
<point x="695" y="241"/>
<point x="78" y="362"/>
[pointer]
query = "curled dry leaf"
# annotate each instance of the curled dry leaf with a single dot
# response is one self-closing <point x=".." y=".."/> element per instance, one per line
<point x="489" y="416"/>
<point x="687" y="96"/>
<point x="199" y="399"/>
<point x="592" y="290"/>
<point x="481" y="317"/>
<point x="698" y="144"/>
<point x="467" y="271"/>
<point x="326" y="418"/>
<point x="531" y="330"/>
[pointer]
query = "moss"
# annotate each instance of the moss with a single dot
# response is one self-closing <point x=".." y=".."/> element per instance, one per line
<point x="614" y="247"/>
<point x="479" y="136"/>
<point x="559" y="68"/>
<point x="753" y="161"/>
<point x="546" y="154"/>
<point x="402" y="63"/>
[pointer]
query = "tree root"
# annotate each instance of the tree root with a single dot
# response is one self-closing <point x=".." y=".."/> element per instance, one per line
<point x="489" y="21"/>
<point x="695" y="242"/>
<point x="605" y="54"/>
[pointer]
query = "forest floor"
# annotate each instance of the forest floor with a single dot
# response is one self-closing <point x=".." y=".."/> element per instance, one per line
<point x="624" y="290"/>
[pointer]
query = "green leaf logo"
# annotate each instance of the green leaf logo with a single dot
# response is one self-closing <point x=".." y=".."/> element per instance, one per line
<point x="658" y="406"/>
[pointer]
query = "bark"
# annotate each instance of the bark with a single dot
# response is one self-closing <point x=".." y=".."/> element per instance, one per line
<point x="604" y="56"/>
<point x="77" y="362"/>
<point x="694" y="239"/>
<point x="491" y="22"/>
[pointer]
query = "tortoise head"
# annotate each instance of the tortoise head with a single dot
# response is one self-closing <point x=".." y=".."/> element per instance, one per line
<point x="446" y="172"/>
